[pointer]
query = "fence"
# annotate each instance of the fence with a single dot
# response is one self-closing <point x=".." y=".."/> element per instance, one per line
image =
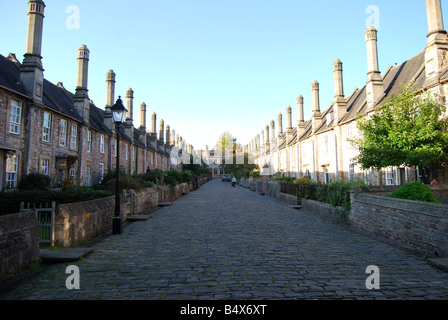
<point x="46" y="216"/>
<point x="292" y="189"/>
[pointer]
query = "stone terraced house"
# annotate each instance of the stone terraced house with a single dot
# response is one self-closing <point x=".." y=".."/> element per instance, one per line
<point x="319" y="147"/>
<point x="46" y="128"/>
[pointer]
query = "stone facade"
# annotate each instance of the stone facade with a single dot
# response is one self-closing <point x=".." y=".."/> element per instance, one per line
<point x="63" y="134"/>
<point x="19" y="243"/>
<point x="320" y="147"/>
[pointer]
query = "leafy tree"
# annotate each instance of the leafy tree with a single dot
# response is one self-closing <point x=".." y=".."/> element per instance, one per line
<point x="408" y="130"/>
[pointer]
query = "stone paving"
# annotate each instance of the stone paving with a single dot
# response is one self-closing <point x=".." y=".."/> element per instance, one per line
<point x="229" y="243"/>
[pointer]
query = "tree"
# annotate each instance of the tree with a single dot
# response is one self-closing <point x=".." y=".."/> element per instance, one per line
<point x="407" y="130"/>
<point x="227" y="142"/>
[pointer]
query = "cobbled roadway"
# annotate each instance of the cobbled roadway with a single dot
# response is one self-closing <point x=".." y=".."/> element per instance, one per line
<point x="226" y="243"/>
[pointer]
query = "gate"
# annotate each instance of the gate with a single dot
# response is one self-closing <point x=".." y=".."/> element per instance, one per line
<point x="45" y="215"/>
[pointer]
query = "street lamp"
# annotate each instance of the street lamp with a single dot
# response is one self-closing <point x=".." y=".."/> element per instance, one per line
<point x="118" y="112"/>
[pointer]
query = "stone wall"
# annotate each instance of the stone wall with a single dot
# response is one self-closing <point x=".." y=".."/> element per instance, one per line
<point x="19" y="243"/>
<point x="420" y="226"/>
<point x="79" y="222"/>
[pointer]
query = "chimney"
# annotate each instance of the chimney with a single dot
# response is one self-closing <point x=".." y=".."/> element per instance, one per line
<point x="81" y="98"/>
<point x="161" y="133"/>
<point x="280" y="123"/>
<point x="83" y="71"/>
<point x="130" y="106"/>
<point x="110" y="90"/>
<point x="375" y="90"/>
<point x="301" y="121"/>
<point x="31" y="70"/>
<point x="340" y="105"/>
<point x="317" y="116"/>
<point x="289" y="124"/>
<point x="143" y="117"/>
<point x="167" y="135"/>
<point x="437" y="42"/>
<point x="173" y="138"/>
<point x="142" y="129"/>
<point x="273" y="132"/>
<point x="153" y="124"/>
<point x="268" y="144"/>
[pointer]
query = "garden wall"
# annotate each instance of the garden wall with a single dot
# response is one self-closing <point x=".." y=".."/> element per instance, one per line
<point x="19" y="243"/>
<point x="420" y="226"/>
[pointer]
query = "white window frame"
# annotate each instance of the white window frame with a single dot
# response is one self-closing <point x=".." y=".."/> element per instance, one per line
<point x="390" y="176"/>
<point x="89" y="141"/>
<point x="15" y="116"/>
<point x="12" y="165"/>
<point x="46" y="127"/>
<point x="101" y="171"/>
<point x="74" y="137"/>
<point x="101" y="143"/>
<point x="63" y="133"/>
<point x="45" y="166"/>
<point x="351" y="172"/>
<point x="88" y="174"/>
<point x="126" y="150"/>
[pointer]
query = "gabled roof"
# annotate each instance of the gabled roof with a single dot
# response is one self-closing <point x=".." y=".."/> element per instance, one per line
<point x="10" y="76"/>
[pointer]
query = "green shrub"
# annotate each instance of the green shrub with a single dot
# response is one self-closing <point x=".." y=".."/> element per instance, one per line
<point x="34" y="181"/>
<point x="415" y="191"/>
<point x="303" y="180"/>
<point x="287" y="179"/>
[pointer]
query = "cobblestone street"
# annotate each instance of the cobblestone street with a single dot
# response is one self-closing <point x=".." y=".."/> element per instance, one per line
<point x="227" y="243"/>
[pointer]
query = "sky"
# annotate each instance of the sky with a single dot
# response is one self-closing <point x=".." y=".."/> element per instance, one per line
<point x="210" y="66"/>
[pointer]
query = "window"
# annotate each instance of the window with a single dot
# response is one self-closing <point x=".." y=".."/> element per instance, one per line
<point x="390" y="177"/>
<point x="101" y="172"/>
<point x="89" y="141"/>
<point x="126" y="152"/>
<point x="44" y="166"/>
<point x="368" y="176"/>
<point x="15" y="116"/>
<point x="46" y="133"/>
<point x="74" y="137"/>
<point x="63" y="133"/>
<point x="115" y="148"/>
<point x="72" y="172"/>
<point x="88" y="172"/>
<point x="12" y="162"/>
<point x="101" y="144"/>
<point x="351" y="171"/>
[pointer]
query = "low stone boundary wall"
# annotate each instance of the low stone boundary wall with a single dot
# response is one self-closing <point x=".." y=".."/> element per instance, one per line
<point x="420" y="226"/>
<point x="75" y="223"/>
<point x="271" y="189"/>
<point x="19" y="243"/>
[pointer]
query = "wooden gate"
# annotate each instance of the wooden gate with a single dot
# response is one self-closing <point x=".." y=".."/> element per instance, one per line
<point x="45" y="215"/>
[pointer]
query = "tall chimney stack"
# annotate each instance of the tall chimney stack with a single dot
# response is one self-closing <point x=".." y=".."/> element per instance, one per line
<point x="437" y="43"/>
<point x="375" y="90"/>
<point x="83" y="71"/>
<point x="153" y="124"/>
<point x="317" y="116"/>
<point x="81" y="98"/>
<point x="110" y="90"/>
<point x="288" y="124"/>
<point x="130" y="105"/>
<point x="161" y="133"/>
<point x="340" y="105"/>
<point x="300" y="121"/>
<point x="31" y="70"/>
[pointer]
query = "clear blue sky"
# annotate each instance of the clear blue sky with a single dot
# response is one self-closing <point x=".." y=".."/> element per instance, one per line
<point x="207" y="66"/>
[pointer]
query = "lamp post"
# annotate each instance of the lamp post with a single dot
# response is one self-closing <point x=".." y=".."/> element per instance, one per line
<point x="118" y="112"/>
